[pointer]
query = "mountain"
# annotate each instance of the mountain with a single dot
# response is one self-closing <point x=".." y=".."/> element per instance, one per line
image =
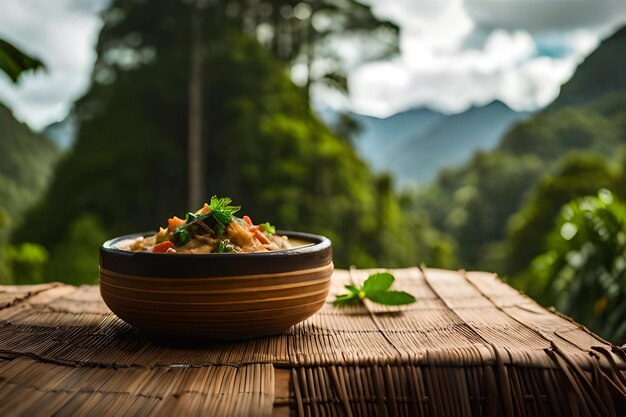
<point x="601" y="73"/>
<point x="416" y="144"/>
<point x="499" y="205"/>
<point x="26" y="166"/>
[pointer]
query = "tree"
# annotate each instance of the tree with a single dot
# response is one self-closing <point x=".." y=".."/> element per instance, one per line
<point x="472" y="204"/>
<point x="306" y="34"/>
<point x="551" y="135"/>
<point x="583" y="270"/>
<point x="578" y="174"/>
<point x="194" y="144"/>
<point x="267" y="150"/>
<point x="74" y="258"/>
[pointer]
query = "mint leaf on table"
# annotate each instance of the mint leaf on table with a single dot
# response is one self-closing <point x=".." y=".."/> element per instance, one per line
<point x="376" y="289"/>
<point x="391" y="298"/>
<point x="378" y="282"/>
<point x="346" y="300"/>
<point x="351" y="299"/>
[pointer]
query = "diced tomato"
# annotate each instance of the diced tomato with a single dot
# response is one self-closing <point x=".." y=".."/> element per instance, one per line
<point x="163" y="247"/>
<point x="248" y="220"/>
<point x="174" y="222"/>
<point x="261" y="237"/>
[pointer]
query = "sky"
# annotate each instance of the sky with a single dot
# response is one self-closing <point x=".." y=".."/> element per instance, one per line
<point x="63" y="34"/>
<point x="454" y="54"/>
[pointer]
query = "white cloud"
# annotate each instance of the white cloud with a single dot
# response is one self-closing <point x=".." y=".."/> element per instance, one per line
<point x="62" y="33"/>
<point x="449" y="82"/>
<point x="547" y="15"/>
<point x="457" y="54"/>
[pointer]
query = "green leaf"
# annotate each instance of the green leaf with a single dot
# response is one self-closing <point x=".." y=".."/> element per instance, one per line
<point x="190" y="217"/>
<point x="224" y="246"/>
<point x="220" y="229"/>
<point x="347" y="300"/>
<point x="223" y="204"/>
<point x="378" y="282"/>
<point x="222" y="211"/>
<point x="353" y="289"/>
<point x="391" y="298"/>
<point x="222" y="217"/>
<point x="350" y="299"/>
<point x="182" y="236"/>
<point x="375" y="288"/>
<point x="267" y="227"/>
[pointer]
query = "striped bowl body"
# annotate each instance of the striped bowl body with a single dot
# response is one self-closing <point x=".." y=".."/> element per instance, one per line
<point x="216" y="296"/>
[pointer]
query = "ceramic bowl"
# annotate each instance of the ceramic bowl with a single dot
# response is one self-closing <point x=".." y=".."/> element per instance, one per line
<point x="229" y="296"/>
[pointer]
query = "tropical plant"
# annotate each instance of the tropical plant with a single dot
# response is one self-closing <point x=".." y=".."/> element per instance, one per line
<point x="583" y="271"/>
<point x="576" y="175"/>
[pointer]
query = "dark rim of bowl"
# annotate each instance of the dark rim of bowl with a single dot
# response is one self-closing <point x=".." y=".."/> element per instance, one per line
<point x="148" y="264"/>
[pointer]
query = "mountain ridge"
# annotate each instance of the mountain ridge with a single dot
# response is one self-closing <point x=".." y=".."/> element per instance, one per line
<point x="27" y="161"/>
<point x="414" y="145"/>
<point x="601" y="73"/>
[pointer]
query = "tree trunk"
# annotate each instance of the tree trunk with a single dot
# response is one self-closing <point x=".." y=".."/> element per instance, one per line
<point x="194" y="140"/>
<point x="310" y="44"/>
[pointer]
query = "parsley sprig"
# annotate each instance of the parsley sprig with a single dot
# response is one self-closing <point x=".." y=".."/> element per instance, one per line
<point x="216" y="220"/>
<point x="375" y="288"/>
<point x="222" y="210"/>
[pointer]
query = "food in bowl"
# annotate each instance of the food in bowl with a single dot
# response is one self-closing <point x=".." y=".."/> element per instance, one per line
<point x="214" y="228"/>
<point x="216" y="296"/>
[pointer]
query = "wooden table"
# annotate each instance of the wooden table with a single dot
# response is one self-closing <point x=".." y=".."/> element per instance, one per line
<point x="471" y="345"/>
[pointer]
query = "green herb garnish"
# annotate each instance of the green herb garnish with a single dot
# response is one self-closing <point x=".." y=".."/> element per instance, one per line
<point x="181" y="237"/>
<point x="182" y="234"/>
<point x="267" y="227"/>
<point x="190" y="217"/>
<point x="221" y="209"/>
<point x="215" y="221"/>
<point x="224" y="246"/>
<point x="376" y="289"/>
<point x="220" y="229"/>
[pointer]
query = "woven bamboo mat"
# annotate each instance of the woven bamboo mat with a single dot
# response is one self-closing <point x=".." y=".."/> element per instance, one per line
<point x="470" y="346"/>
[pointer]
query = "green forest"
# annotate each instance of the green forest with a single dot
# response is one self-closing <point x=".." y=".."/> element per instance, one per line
<point x="545" y="209"/>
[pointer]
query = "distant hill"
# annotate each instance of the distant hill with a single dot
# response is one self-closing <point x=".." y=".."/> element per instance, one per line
<point x="602" y="72"/>
<point x="416" y="144"/>
<point x="26" y="165"/>
<point x="499" y="205"/>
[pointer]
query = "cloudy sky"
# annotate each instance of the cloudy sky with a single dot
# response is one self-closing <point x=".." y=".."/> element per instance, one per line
<point x="63" y="34"/>
<point x="454" y="53"/>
